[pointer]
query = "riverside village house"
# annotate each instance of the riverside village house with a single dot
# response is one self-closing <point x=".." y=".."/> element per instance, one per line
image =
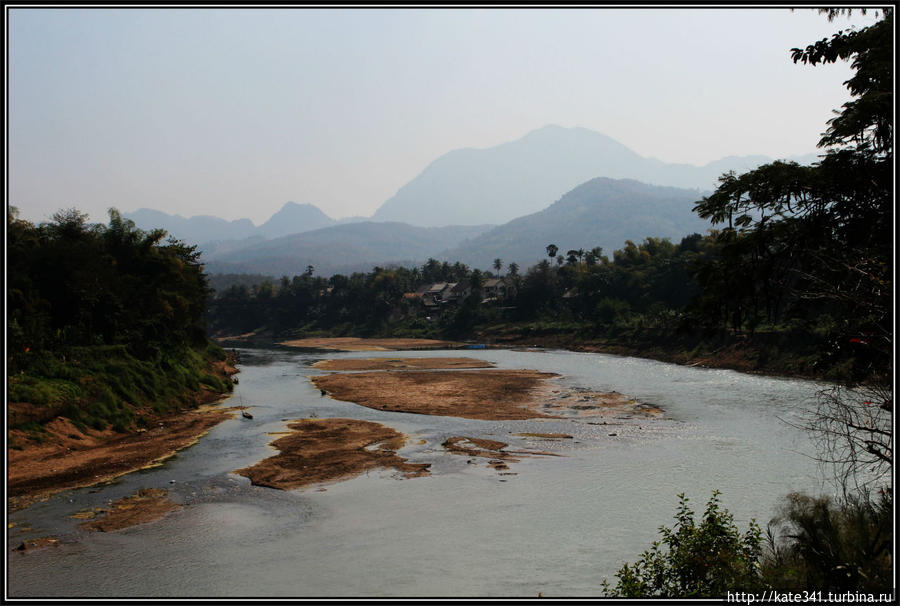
<point x="435" y="297"/>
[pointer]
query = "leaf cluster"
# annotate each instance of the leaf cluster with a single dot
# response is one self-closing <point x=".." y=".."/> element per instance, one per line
<point x="695" y="559"/>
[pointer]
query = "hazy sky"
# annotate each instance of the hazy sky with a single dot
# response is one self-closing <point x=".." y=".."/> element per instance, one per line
<point x="233" y="112"/>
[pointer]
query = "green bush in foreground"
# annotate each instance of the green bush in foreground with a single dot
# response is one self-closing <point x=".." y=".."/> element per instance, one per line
<point x="814" y="544"/>
<point x="705" y="559"/>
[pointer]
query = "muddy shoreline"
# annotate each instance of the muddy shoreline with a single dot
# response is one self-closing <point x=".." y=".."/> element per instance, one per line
<point x="66" y="458"/>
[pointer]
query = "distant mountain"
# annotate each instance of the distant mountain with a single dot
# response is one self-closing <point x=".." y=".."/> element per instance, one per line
<point x="497" y="184"/>
<point x="201" y="228"/>
<point x="602" y="212"/>
<point x="353" y="219"/>
<point x="293" y="218"/>
<point x="338" y="249"/>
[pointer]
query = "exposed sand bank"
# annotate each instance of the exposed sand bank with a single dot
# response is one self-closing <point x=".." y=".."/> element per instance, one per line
<point x="62" y="457"/>
<point x="358" y="344"/>
<point x="68" y="458"/>
<point x="37" y="543"/>
<point x="326" y="450"/>
<point x="473" y="394"/>
<point x="146" y="505"/>
<point x="493" y="450"/>
<point x="401" y="364"/>
<point x="585" y="403"/>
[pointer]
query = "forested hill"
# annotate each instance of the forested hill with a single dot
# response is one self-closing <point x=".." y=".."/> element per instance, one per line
<point x="103" y="320"/>
<point x="602" y="212"/>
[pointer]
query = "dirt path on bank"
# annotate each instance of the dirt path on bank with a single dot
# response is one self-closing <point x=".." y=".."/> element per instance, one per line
<point x="358" y="344"/>
<point x="327" y="450"/>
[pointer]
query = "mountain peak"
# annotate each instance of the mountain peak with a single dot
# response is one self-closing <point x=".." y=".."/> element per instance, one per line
<point x="295" y="218"/>
<point x="497" y="184"/>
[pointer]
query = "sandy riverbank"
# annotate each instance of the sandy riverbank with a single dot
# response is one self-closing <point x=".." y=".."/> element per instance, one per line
<point x="327" y="450"/>
<point x="472" y="394"/>
<point x="146" y="505"/>
<point x="64" y="457"/>
<point x="68" y="458"/>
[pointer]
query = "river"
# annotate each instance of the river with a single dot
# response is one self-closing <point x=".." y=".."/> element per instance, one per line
<point x="556" y="526"/>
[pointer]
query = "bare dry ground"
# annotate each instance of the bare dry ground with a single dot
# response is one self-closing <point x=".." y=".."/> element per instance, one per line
<point x="357" y="344"/>
<point x="473" y="394"/>
<point x="401" y="364"/>
<point x="327" y="450"/>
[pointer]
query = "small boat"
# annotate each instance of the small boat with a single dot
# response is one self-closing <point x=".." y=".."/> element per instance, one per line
<point x="244" y="412"/>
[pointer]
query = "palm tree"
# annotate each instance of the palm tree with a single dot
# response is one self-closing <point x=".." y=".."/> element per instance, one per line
<point x="592" y="257"/>
<point x="574" y="256"/>
<point x="498" y="265"/>
<point x="551" y="250"/>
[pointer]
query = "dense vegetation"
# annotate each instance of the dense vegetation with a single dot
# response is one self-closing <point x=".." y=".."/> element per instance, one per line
<point x="103" y="320"/>
<point x="823" y="236"/>
<point x="678" y="298"/>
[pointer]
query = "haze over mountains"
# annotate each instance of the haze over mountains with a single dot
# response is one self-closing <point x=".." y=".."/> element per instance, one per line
<point x="498" y="184"/>
<point x="602" y="212"/>
<point x="340" y="249"/>
<point x="542" y="188"/>
<point x="293" y="218"/>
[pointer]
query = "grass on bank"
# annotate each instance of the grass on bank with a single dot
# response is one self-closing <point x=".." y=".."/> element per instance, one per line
<point x="102" y="386"/>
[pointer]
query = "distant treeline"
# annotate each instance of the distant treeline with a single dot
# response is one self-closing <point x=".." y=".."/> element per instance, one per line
<point x="701" y="287"/>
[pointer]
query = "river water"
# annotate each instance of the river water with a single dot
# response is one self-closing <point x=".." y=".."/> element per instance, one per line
<point x="556" y="526"/>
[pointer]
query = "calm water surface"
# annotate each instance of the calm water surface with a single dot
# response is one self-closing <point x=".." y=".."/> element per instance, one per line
<point x="558" y="526"/>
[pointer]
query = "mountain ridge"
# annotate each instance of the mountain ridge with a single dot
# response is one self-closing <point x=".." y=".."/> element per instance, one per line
<point x="589" y="215"/>
<point x="515" y="178"/>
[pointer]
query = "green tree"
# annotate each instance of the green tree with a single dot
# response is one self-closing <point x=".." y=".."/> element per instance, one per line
<point x="823" y="234"/>
<point x="695" y="560"/>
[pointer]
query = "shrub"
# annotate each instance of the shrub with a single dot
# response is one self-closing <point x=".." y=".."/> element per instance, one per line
<point x="610" y="311"/>
<point x="815" y="542"/>
<point x="705" y="560"/>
